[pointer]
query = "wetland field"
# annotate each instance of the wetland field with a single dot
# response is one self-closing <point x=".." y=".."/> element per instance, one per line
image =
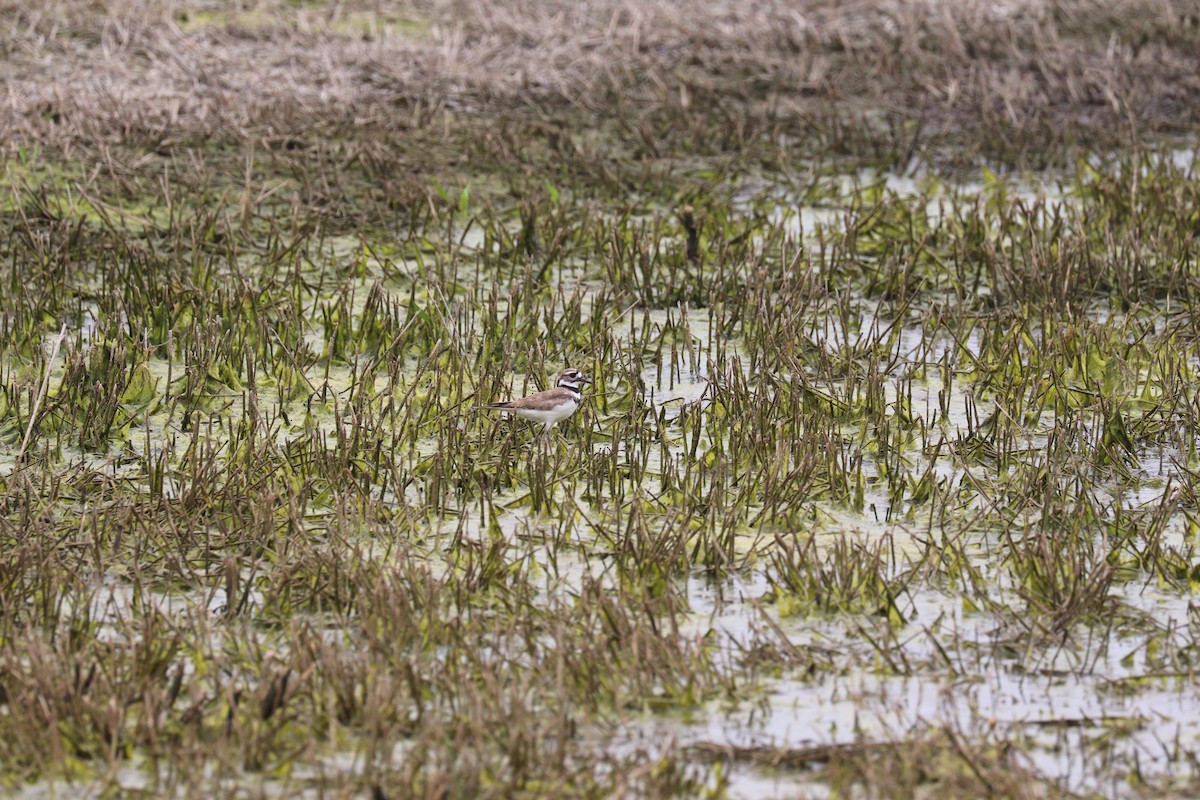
<point x="887" y="484"/>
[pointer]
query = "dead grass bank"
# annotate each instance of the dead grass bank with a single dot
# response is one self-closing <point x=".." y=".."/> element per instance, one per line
<point x="1015" y="81"/>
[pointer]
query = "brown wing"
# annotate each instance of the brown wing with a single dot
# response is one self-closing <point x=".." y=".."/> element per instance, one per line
<point x="541" y="401"/>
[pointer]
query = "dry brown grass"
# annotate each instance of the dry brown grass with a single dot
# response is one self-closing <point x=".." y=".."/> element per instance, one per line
<point x="1015" y="75"/>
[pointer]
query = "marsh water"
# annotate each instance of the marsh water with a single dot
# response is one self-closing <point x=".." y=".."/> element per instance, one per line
<point x="931" y="511"/>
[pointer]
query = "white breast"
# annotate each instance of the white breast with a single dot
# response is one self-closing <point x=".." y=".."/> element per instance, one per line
<point x="549" y="415"/>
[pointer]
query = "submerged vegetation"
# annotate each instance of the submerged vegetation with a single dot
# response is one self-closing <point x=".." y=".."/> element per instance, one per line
<point x="887" y="482"/>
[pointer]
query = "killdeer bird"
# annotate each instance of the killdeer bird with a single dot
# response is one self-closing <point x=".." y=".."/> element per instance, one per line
<point x="550" y="406"/>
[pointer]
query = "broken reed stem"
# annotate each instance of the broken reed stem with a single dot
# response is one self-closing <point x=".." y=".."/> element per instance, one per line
<point x="37" y="403"/>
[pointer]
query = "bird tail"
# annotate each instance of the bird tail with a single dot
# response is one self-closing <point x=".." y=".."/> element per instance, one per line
<point x="493" y="405"/>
